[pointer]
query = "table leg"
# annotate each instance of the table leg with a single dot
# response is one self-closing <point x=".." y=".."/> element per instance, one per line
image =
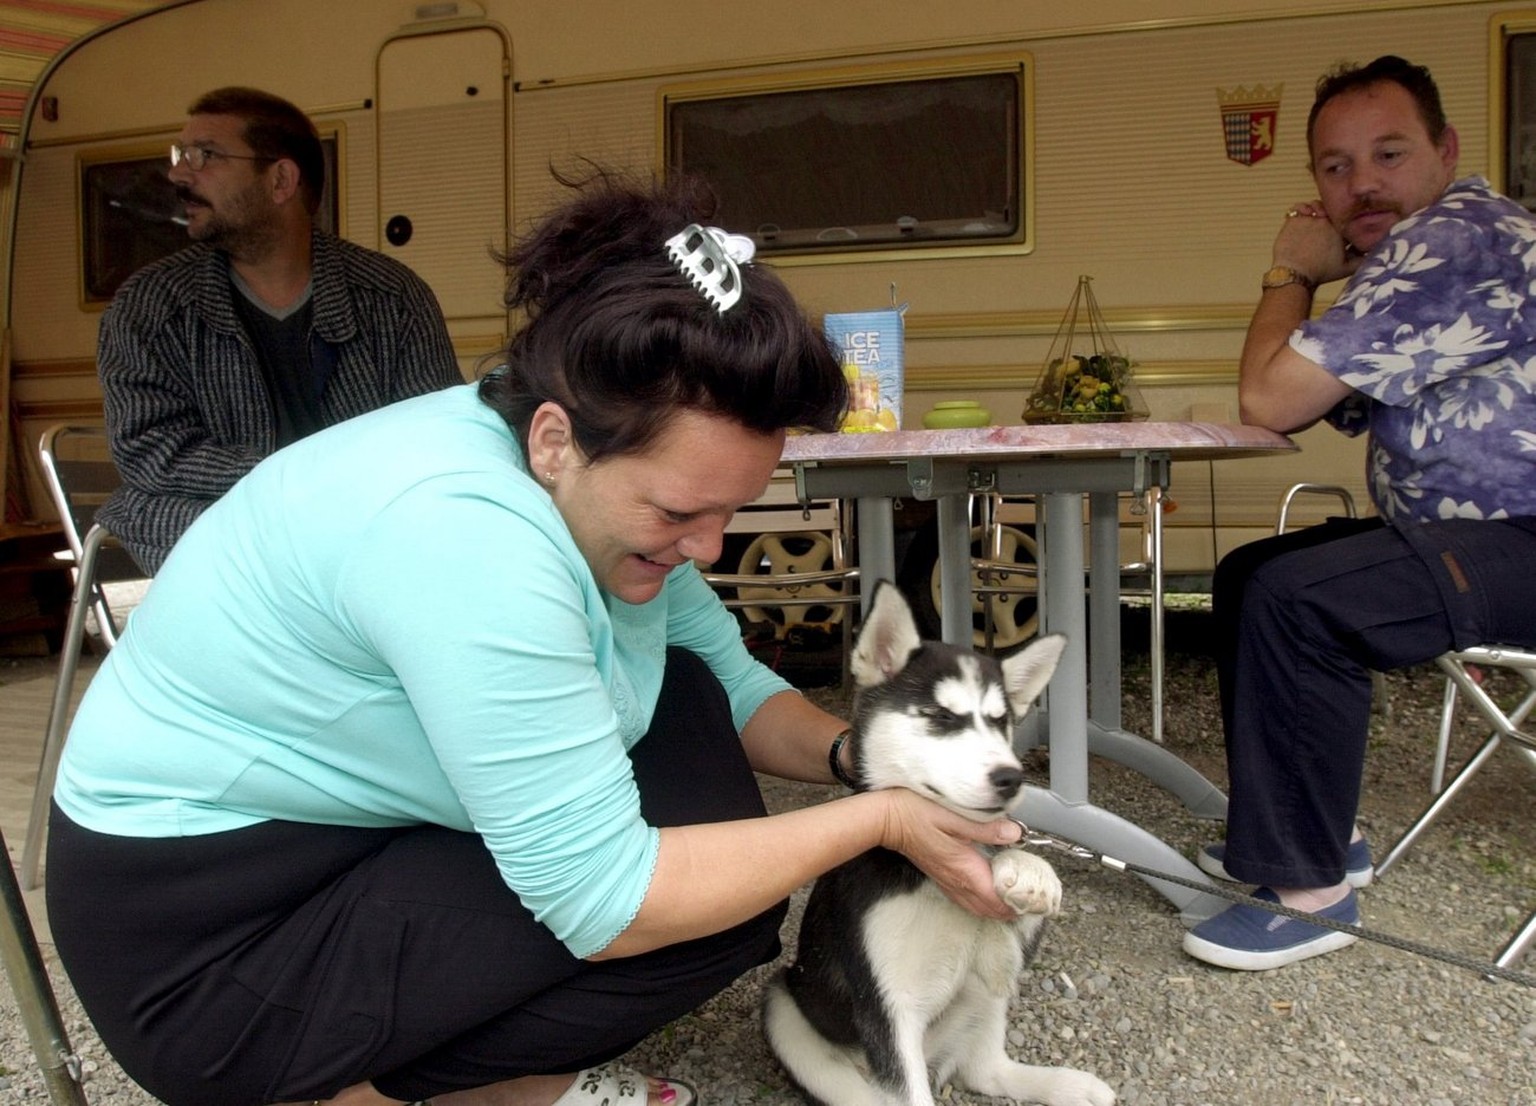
<point x="1104" y="608"/>
<point x="1115" y="837"/>
<point x="1106" y="736"/>
<point x="1067" y="695"/>
<point x="875" y="525"/>
<point x="1064" y="809"/>
<point x="1159" y="613"/>
<point x="1202" y="797"/>
<point x="955" y="622"/>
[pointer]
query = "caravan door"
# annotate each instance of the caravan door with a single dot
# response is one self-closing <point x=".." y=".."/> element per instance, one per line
<point x="443" y="134"/>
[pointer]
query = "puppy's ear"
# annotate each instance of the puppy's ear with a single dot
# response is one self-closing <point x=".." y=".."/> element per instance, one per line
<point x="1026" y="673"/>
<point x="887" y="639"/>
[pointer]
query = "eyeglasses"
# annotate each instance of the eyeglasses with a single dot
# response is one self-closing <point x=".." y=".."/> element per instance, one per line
<point x="198" y="156"/>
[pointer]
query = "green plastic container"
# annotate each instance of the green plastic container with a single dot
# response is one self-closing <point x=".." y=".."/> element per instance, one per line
<point x="955" y="414"/>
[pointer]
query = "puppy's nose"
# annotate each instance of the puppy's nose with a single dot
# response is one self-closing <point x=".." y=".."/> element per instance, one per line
<point x="1006" y="780"/>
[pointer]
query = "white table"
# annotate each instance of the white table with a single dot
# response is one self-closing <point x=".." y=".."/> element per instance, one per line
<point x="1063" y="465"/>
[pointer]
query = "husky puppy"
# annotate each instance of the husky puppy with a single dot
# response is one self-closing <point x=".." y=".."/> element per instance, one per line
<point x="891" y="978"/>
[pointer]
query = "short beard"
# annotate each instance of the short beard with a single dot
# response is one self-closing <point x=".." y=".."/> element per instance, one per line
<point x="248" y="239"/>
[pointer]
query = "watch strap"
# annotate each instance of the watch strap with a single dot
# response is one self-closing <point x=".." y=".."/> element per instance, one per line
<point x="1281" y="275"/>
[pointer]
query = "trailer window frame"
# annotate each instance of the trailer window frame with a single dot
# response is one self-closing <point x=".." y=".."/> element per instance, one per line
<point x="913" y="98"/>
<point x="126" y="210"/>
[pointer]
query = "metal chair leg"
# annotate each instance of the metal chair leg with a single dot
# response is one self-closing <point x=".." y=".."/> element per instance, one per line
<point x="1460" y="683"/>
<point x="1443" y="740"/>
<point x="1518" y="944"/>
<point x="35" y="1000"/>
<point x="58" y="714"/>
<point x="1431" y="812"/>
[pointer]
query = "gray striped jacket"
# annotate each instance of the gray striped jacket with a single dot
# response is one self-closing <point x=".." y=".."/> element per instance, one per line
<point x="187" y="410"/>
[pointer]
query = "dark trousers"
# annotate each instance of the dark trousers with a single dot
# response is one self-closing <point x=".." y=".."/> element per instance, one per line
<point x="1302" y="620"/>
<point x="285" y="961"/>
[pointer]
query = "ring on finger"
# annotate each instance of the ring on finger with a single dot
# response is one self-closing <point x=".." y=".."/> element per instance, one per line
<point x="1291" y="214"/>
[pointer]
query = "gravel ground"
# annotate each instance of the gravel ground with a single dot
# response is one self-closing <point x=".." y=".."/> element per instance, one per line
<point x="1111" y="992"/>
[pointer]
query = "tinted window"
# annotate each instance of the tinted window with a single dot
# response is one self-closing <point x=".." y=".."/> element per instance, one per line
<point x="935" y="160"/>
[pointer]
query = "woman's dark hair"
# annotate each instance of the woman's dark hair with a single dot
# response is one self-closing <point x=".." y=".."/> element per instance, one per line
<point x="619" y="338"/>
<point x="1415" y="79"/>
<point x="274" y="129"/>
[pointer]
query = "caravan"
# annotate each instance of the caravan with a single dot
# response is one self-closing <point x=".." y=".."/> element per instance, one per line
<point x="971" y="160"/>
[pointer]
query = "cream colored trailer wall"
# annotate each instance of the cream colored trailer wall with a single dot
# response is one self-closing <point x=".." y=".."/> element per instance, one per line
<point x="1132" y="185"/>
<point x="145" y="73"/>
<point x="322" y="53"/>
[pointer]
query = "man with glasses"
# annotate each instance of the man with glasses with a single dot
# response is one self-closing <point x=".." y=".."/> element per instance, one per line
<point x="265" y="330"/>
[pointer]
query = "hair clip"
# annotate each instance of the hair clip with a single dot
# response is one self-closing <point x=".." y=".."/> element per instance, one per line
<point x="709" y="257"/>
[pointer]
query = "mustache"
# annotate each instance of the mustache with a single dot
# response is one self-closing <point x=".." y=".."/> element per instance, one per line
<point x="187" y="196"/>
<point x="1368" y="207"/>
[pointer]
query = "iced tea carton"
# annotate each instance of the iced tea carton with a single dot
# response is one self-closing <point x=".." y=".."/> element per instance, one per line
<point x="872" y="344"/>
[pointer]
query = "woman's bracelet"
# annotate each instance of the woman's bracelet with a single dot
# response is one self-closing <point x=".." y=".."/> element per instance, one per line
<point x="835" y="760"/>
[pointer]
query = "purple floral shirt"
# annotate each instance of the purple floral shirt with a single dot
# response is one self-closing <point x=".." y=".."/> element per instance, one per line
<point x="1436" y="332"/>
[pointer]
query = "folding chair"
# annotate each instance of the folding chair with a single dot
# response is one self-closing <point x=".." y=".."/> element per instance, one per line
<point x="35" y="1000"/>
<point x="1460" y="679"/>
<point x="80" y="476"/>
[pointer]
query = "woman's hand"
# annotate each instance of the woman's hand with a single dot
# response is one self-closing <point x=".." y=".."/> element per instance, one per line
<point x="943" y="846"/>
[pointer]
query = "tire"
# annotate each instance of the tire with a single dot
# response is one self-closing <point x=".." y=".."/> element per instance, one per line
<point x="798" y="551"/>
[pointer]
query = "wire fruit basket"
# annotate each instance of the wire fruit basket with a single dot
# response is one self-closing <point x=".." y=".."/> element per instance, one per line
<point x="1086" y="377"/>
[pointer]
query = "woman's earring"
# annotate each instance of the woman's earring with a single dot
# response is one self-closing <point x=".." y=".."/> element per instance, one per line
<point x="549" y="478"/>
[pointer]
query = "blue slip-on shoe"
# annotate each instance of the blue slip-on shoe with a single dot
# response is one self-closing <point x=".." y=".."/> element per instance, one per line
<point x="1251" y="939"/>
<point x="1358" y="869"/>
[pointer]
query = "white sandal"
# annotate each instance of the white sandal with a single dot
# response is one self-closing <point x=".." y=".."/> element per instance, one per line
<point x="617" y="1084"/>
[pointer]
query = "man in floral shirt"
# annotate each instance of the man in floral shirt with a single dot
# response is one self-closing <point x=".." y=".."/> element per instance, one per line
<point x="1430" y="350"/>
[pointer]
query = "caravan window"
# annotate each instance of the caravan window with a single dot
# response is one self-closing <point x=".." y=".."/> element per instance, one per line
<point x="894" y="159"/>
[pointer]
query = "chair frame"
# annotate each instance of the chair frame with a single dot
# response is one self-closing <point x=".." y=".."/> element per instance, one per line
<point x="1507" y="726"/>
<point x="88" y="598"/>
<point x="1457" y="666"/>
<point x="35" y="1000"/>
<point x="63" y="503"/>
<point x="58" y="713"/>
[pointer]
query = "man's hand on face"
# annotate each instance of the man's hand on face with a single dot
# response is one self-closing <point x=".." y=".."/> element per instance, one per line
<point x="1309" y="243"/>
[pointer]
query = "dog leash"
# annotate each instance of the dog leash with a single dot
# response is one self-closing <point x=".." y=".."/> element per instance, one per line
<point x="1036" y="839"/>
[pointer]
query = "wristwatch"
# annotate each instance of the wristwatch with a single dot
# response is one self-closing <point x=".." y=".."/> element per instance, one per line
<point x="1281" y="275"/>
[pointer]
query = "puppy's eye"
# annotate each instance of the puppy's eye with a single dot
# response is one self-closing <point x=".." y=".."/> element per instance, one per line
<point x="940" y="714"/>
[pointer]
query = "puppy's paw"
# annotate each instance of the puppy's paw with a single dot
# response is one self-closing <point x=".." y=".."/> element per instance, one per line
<point x="1071" y="1087"/>
<point x="1026" y="882"/>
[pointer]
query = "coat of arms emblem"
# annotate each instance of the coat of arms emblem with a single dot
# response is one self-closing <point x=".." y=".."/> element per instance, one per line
<point x="1248" y="121"/>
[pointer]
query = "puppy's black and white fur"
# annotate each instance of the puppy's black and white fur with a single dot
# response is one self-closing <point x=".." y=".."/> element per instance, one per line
<point x="894" y="985"/>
